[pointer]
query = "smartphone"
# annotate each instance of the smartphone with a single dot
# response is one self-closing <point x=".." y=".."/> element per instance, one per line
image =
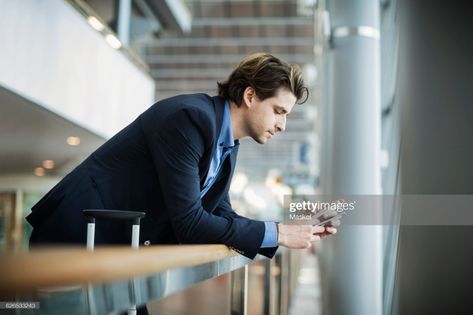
<point x="338" y="216"/>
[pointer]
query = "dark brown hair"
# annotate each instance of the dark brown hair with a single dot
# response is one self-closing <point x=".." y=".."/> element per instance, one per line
<point x="265" y="74"/>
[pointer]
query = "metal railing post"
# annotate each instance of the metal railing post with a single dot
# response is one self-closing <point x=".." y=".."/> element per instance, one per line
<point x="239" y="291"/>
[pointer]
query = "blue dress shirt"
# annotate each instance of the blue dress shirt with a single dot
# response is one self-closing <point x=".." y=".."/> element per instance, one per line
<point x="225" y="145"/>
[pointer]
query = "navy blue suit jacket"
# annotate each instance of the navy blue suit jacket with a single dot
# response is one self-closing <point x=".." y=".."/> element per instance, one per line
<point x="158" y="165"/>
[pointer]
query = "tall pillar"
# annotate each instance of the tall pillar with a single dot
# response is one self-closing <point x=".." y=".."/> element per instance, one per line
<point x="123" y="21"/>
<point x="354" y="270"/>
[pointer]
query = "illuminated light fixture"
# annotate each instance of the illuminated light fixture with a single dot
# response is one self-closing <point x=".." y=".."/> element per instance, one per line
<point x="95" y="23"/>
<point x="73" y="141"/>
<point x="238" y="183"/>
<point x="310" y="74"/>
<point x="39" y="171"/>
<point x="48" y="164"/>
<point x="254" y="199"/>
<point x="113" y="41"/>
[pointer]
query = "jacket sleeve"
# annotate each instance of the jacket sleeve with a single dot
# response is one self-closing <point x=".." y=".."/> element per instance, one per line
<point x="177" y="146"/>
<point x="225" y="209"/>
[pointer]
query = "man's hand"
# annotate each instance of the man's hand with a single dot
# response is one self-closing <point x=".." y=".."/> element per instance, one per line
<point x="301" y="236"/>
<point x="331" y="226"/>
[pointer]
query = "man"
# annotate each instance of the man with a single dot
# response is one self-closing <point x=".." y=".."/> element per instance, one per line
<point x="175" y="162"/>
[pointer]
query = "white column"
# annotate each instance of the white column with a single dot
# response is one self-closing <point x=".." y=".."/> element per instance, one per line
<point x="123" y="21"/>
<point x="354" y="268"/>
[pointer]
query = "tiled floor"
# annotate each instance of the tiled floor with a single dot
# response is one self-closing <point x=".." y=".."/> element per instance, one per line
<point x="307" y="298"/>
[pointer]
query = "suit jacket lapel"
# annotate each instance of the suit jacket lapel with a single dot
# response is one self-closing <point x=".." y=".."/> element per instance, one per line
<point x="218" y="104"/>
<point x="229" y="166"/>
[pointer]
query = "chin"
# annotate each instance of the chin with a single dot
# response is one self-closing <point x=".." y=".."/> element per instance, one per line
<point x="261" y="139"/>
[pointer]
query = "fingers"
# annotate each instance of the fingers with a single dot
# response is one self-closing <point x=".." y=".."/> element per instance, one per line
<point x="331" y="229"/>
<point x="321" y="229"/>
<point x="335" y="223"/>
<point x="302" y="236"/>
<point x="317" y="229"/>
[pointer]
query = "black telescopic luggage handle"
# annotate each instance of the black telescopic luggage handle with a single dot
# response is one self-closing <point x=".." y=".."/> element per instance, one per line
<point x="93" y="214"/>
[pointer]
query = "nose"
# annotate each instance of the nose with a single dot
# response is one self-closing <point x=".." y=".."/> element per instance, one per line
<point x="281" y="124"/>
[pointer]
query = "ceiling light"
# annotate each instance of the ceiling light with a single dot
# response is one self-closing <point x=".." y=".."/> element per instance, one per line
<point x="238" y="183"/>
<point x="113" y="41"/>
<point x="95" y="23"/>
<point x="39" y="171"/>
<point x="48" y="164"/>
<point x="74" y="141"/>
<point x="310" y="74"/>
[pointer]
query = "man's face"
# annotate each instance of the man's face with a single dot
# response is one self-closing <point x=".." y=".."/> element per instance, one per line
<point x="268" y="117"/>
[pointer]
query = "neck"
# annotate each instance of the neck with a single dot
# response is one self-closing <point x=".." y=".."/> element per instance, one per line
<point x="238" y="122"/>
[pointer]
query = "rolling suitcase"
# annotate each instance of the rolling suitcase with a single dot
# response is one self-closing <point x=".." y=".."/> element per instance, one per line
<point x="102" y="214"/>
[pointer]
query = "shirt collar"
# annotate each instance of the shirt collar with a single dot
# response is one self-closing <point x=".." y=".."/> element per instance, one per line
<point x="225" y="139"/>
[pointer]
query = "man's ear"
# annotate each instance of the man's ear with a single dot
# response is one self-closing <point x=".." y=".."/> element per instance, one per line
<point x="248" y="96"/>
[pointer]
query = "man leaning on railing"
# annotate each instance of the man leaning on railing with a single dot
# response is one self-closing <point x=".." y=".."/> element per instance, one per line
<point x="175" y="163"/>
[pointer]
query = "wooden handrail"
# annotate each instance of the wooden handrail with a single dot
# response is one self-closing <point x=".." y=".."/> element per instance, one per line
<point x="51" y="267"/>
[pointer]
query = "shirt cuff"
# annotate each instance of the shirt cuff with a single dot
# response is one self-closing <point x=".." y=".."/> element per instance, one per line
<point x="270" y="235"/>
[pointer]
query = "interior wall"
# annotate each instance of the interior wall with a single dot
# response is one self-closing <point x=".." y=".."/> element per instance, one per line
<point x="436" y="65"/>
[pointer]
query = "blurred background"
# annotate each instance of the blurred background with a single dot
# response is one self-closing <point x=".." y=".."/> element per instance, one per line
<point x="389" y="113"/>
